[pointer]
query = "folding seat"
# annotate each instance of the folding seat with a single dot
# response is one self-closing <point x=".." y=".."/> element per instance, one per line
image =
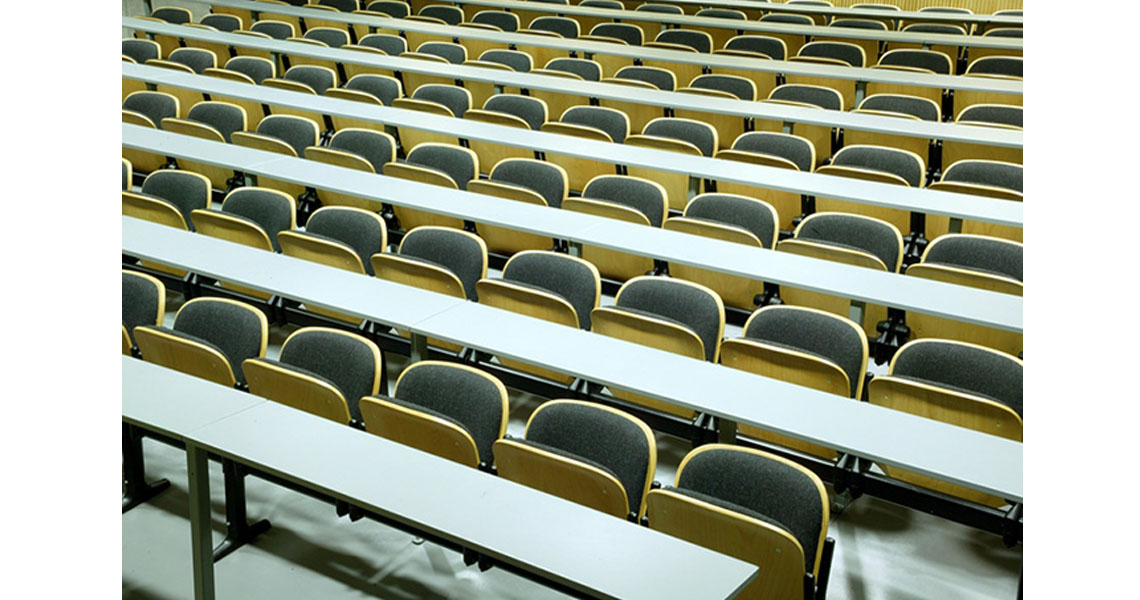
<point x="989" y="178"/>
<point x="958" y="383"/>
<point x="849" y="239"/>
<point x="759" y="46"/>
<point x="196" y="59"/>
<point x="563" y="26"/>
<point x="331" y="37"/>
<point x="128" y="175"/>
<point x="977" y="53"/>
<point x="794" y="41"/>
<point x="1001" y="116"/>
<point x="953" y="51"/>
<point x="805" y="96"/>
<point x="993" y="67"/>
<point x="614" y="4"/>
<point x="731" y="218"/>
<point x="144" y="303"/>
<point x="874" y="163"/>
<point x="333" y="6"/>
<point x="393" y="8"/>
<point x="437" y="99"/>
<point x="669" y="314"/>
<point x="445" y="15"/>
<point x="175" y="16"/>
<point x="996" y="66"/>
<point x="700" y="41"/>
<point x="629" y="199"/>
<point x="915" y="61"/>
<point x="992" y="114"/>
<point x="900" y="106"/>
<point x="976" y="261"/>
<point x="686" y="136"/>
<point x="590" y="122"/>
<point x="870" y="47"/>
<point x="214" y="121"/>
<point x="140" y="51"/>
<point x="252" y="69"/>
<point x="546" y="285"/>
<point x="250" y="216"/>
<point x="508" y="110"/>
<point x="186" y="60"/>
<point x="630" y="34"/>
<point x="500" y="19"/>
<point x="281" y="134"/>
<point x="340" y="5"/>
<point x="445" y="165"/>
<point x="525" y="180"/>
<point x="434" y="51"/>
<point x="639" y="113"/>
<point x="210" y="338"/>
<point x="728" y="127"/>
<point x="593" y="455"/>
<point x="365" y="150"/>
<point x="890" y="23"/>
<point x="223" y="22"/>
<point x="453" y="411"/>
<point x="147" y="109"/>
<point x="816" y="18"/>
<point x="390" y="44"/>
<point x="320" y="371"/>
<point x="186" y="191"/>
<point x="662" y="79"/>
<point x="721" y="35"/>
<point x="517" y="61"/>
<point x="948" y="10"/>
<point x="831" y="53"/>
<point x="377" y="90"/>
<point x="771" y="149"/>
<point x="754" y="506"/>
<point x="304" y="79"/>
<point x="268" y="14"/>
<point x="278" y="30"/>
<point x="668" y="9"/>
<point x="587" y="70"/>
<point x="804" y="346"/>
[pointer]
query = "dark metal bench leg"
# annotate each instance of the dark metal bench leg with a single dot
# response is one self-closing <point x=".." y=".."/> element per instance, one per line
<point x="134" y="472"/>
<point x="238" y="529"/>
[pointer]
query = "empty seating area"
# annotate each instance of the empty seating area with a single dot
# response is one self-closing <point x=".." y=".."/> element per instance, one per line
<point x="803" y="197"/>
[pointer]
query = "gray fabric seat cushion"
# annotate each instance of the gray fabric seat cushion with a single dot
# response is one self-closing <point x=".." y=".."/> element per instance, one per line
<point x="821" y="335"/>
<point x="596" y="435"/>
<point x="934" y="28"/>
<point x="333" y="38"/>
<point x="586" y="69"/>
<point x="385" y="89"/>
<point x="697" y="40"/>
<point x="786" y="18"/>
<point x="277" y="30"/>
<point x="545" y="179"/>
<point x="668" y="9"/>
<point x="341" y="5"/>
<point x="186" y="192"/>
<point x="799" y="151"/>
<point x="498" y="18"/>
<point x="963" y="368"/>
<point x="224" y="23"/>
<point x="177" y="16"/>
<point x="737" y="86"/>
<point x="603" y="4"/>
<point x="773" y="47"/>
<point x="450" y="160"/>
<point x="563" y="277"/>
<point x="810" y="95"/>
<point x="736" y="211"/>
<point x="567" y="28"/>
<point x="361" y="233"/>
<point x="467" y="398"/>
<point x="197" y="59"/>
<point x="843" y="51"/>
<point x="699" y="134"/>
<point x="978" y="253"/>
<point x="993" y="113"/>
<point x="295" y="131"/>
<point x="630" y="34"/>
<point x="922" y="59"/>
<point x="722" y="13"/>
<point x="371" y="146"/>
<point x="392" y="45"/>
<point x="1003" y="175"/>
<point x="269" y="211"/>
<point x="152" y="105"/>
<point x="635" y="193"/>
<point x="140" y="50"/>
<point x="342" y="361"/>
<point x="257" y="70"/>
<point x="456" y="99"/>
<point x="614" y="123"/>
<point x="452" y="250"/>
<point x="860" y="24"/>
<point x="683" y="303"/>
<point x="997" y="65"/>
<point x="225" y="118"/>
<point x="393" y="8"/>
<point x="233" y="331"/>
<point x="519" y="61"/>
<point x="318" y="78"/>
<point x="780" y="492"/>
<point x="664" y="80"/>
<point x="882" y="159"/>
<point x="907" y="105"/>
<point x="452" y="53"/>
<point x="526" y="108"/>
<point x="140" y="303"/>
<point x="451" y="15"/>
<point x="849" y="231"/>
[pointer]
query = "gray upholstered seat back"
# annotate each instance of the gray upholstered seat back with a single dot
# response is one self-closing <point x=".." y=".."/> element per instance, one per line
<point x="370" y="145"/>
<point x="553" y="1"/>
<point x="986" y="172"/>
<point x="452" y="53"/>
<point x="393" y="8"/>
<point x="298" y="132"/>
<point x="947" y="9"/>
<point x="997" y="65"/>
<point x="907" y="105"/>
<point x="922" y="59"/>
<point x="470" y="399"/>
<point x="455" y="98"/>
<point x="519" y="61"/>
<point x="600" y="437"/>
<point x="196" y="58"/>
<point x="140" y="50"/>
<point x="184" y="190"/>
<point x="614" y="122"/>
<point x="526" y="108"/>
<point x="384" y="88"/>
<point x="1009" y="32"/>
<point x="773" y="47"/>
<point x="662" y="78"/>
<point x="860" y="24"/>
<point x="451" y="249"/>
<point x="797" y="150"/>
<point x="697" y="40"/>
<point x="722" y="13"/>
<point x="686" y="304"/>
<point x="498" y="18"/>
<point x="737" y="86"/>
<point x="979" y="253"/>
<point x="318" y="78"/>
<point x="1002" y="114"/>
<point x="944" y="28"/>
<point x="256" y="68"/>
<point x="140" y="302"/>
<point x="170" y="14"/>
<point x="633" y="192"/>
<point x="820" y="334"/>
<point x="269" y="209"/>
<point x="392" y="45"/>
<point x="278" y="30"/>
<point x="563" y="26"/>
<point x="883" y="159"/>
<point x="698" y="133"/>
<point x="452" y="15"/>
<point x="343" y="361"/>
<point x="846" y="52"/>
<point x="821" y="97"/>
<point x="630" y="34"/>
<point x="884" y="7"/>
<point x="226" y="23"/>
<point x="669" y="9"/>
<point x="545" y="178"/>
<point x="364" y="234"/>
<point x="558" y="274"/>
<point x="615" y="4"/>
<point x="226" y="118"/>
<point x="452" y="160"/>
<point x="235" y="330"/>
<point x="775" y="490"/>
<point x="759" y="219"/>
<point x="153" y="105"/>
<point x="786" y="18"/>
<point x="963" y="368"/>
<point x="333" y="38"/>
<point x="586" y="69"/>
<point x="341" y="5"/>
<point x="854" y="232"/>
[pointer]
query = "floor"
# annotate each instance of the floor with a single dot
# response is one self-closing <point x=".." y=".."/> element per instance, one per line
<point x="883" y="551"/>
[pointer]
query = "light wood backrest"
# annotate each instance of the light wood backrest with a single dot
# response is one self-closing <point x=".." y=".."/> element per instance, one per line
<point x="300" y="391"/>
<point x="419" y="430"/>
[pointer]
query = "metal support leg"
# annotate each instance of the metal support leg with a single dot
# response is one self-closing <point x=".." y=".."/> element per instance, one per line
<point x="419" y="348"/>
<point x="955" y="225"/>
<point x="575" y="249"/>
<point x="725" y="431"/>
<point x="134" y="472"/>
<point x="857" y="311"/>
<point x="860" y="92"/>
<point x="198" y="471"/>
<point x="238" y="529"/>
